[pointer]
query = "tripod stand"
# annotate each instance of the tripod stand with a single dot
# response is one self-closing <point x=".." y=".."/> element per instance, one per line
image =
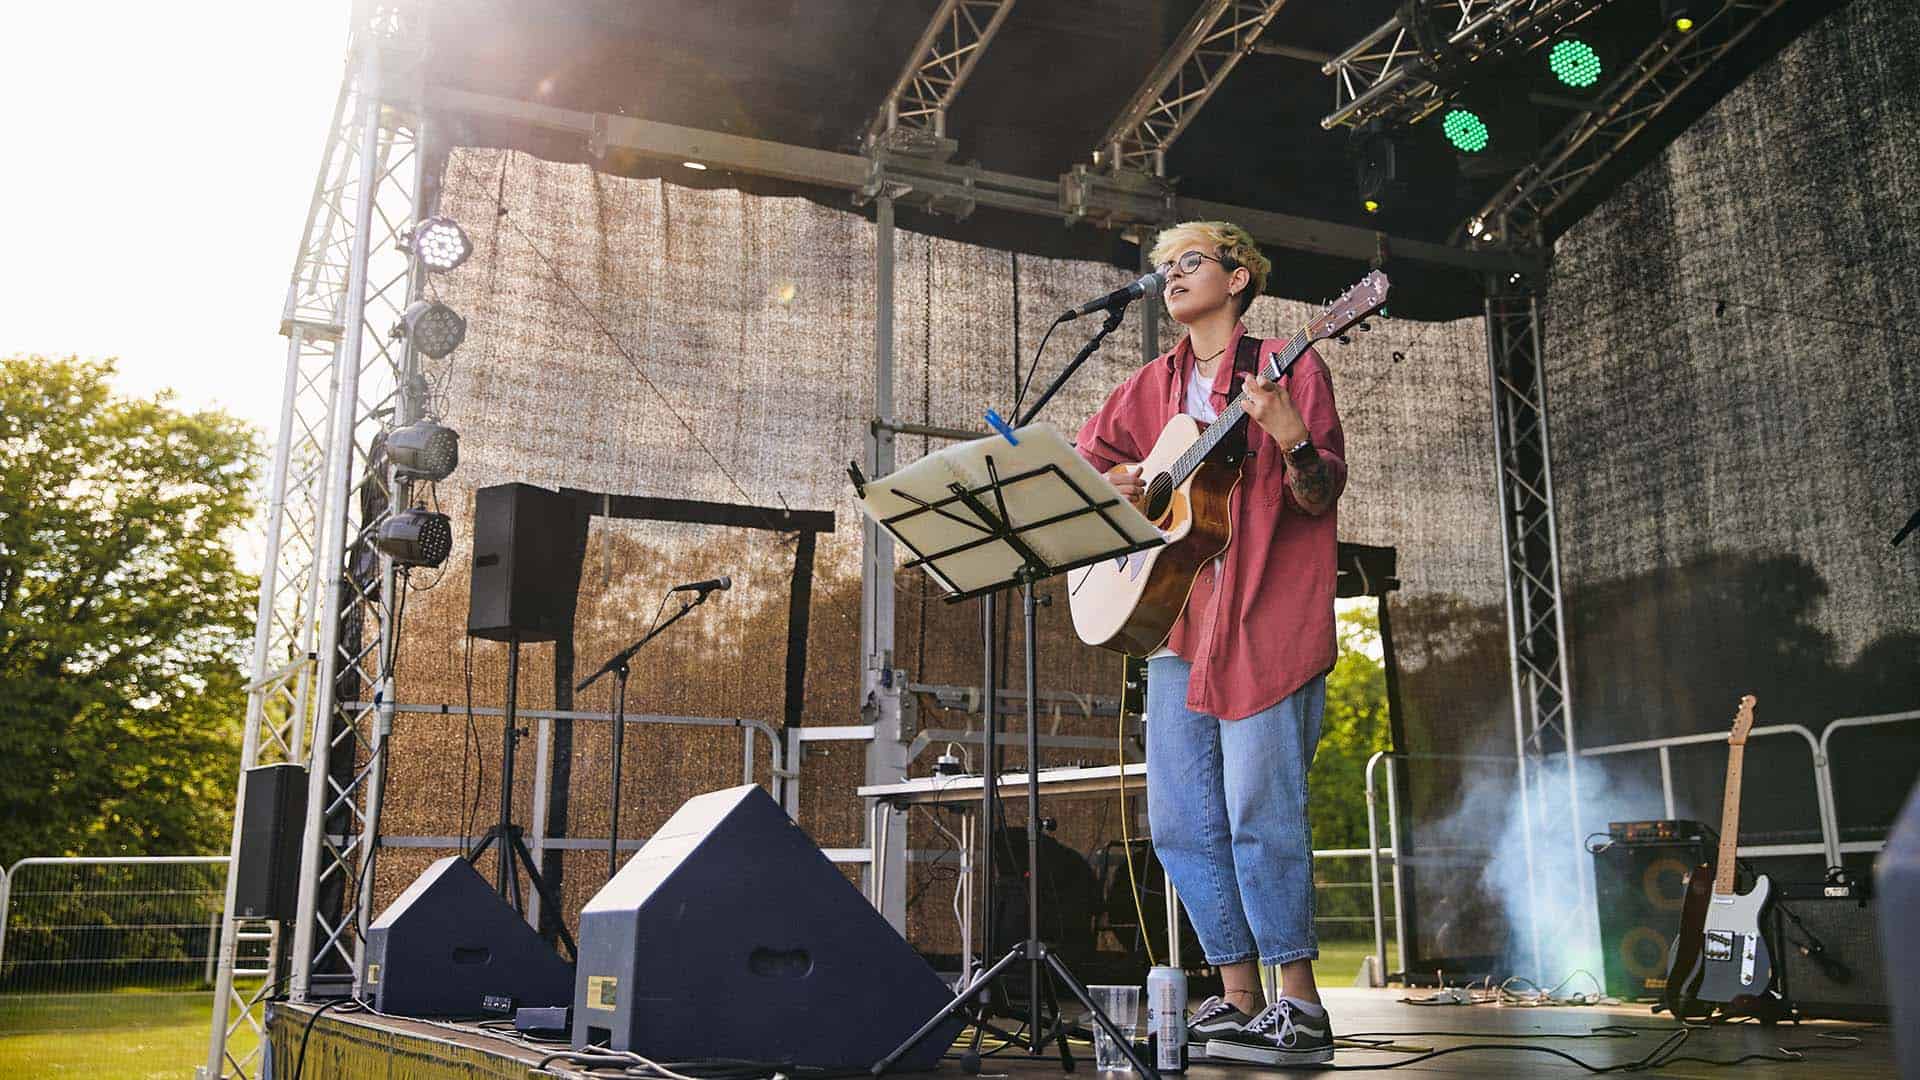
<point x="1009" y="511"/>
<point x="620" y="664"/>
<point x="513" y="846"/>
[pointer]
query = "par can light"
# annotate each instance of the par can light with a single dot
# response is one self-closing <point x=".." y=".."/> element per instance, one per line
<point x="424" y="450"/>
<point x="434" y="328"/>
<point x="415" y="537"/>
<point x="440" y="244"/>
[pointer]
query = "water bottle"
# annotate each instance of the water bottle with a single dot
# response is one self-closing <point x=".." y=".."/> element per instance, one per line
<point x="1167" y="1017"/>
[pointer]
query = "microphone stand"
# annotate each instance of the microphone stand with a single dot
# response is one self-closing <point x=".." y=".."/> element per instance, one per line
<point x="1115" y="313"/>
<point x="620" y="664"/>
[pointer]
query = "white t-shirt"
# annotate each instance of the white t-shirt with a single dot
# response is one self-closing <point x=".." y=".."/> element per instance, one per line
<point x="1199" y="405"/>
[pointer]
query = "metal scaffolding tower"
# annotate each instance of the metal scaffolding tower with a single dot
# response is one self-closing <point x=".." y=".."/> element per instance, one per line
<point x="324" y="623"/>
<point x="1536" y="623"/>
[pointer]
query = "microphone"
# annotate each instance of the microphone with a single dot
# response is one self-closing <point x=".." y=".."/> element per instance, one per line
<point x="722" y="583"/>
<point x="1152" y="282"/>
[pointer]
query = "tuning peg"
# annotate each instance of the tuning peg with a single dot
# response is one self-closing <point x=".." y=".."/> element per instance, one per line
<point x="1344" y="339"/>
<point x="1364" y="327"/>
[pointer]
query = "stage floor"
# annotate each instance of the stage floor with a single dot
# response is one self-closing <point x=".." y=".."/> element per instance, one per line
<point x="366" y="1046"/>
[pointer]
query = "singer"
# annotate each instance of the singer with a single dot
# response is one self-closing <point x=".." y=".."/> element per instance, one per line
<point x="1234" y="701"/>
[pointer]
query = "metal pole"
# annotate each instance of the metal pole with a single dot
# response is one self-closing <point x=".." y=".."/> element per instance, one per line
<point x="619" y="745"/>
<point x="1400" y="945"/>
<point x="330" y="558"/>
<point x="505" y="839"/>
<point x="1036" y="1045"/>
<point x="1373" y="876"/>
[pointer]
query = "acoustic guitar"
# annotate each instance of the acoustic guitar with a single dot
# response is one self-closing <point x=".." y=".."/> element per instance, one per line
<point x="1130" y="603"/>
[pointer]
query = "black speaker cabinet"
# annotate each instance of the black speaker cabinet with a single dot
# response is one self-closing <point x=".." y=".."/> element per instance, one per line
<point x="1640" y="887"/>
<point x="1830" y="961"/>
<point x="729" y="935"/>
<point x="267" y="874"/>
<point x="528" y="544"/>
<point x="450" y="940"/>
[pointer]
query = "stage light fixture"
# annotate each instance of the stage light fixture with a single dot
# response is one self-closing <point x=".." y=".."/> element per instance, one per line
<point x="1371" y="206"/>
<point x="440" y="243"/>
<point x="434" y="328"/>
<point x="1683" y="14"/>
<point x="424" y="450"/>
<point x="694" y="165"/>
<point x="1465" y="130"/>
<point x="415" y="537"/>
<point x="1575" y="63"/>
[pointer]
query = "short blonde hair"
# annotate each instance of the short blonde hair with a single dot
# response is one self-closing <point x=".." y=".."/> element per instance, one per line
<point x="1232" y="244"/>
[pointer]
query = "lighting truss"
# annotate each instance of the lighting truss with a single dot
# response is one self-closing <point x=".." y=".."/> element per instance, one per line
<point x="1517" y="213"/>
<point x="1536" y="625"/>
<point x="1214" y="40"/>
<point x="913" y="118"/>
<point x="324" y="628"/>
<point x="1404" y="70"/>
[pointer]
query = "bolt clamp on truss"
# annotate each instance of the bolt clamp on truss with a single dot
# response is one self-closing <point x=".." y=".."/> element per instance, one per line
<point x="913" y="118"/>
<point x="1396" y="75"/>
<point x="1199" y="60"/>
<point x="1520" y="210"/>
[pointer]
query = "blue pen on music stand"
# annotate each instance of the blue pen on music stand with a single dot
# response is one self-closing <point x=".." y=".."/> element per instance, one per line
<point x="1000" y="425"/>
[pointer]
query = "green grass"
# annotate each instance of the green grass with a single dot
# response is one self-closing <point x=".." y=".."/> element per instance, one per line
<point x="1339" y="961"/>
<point x="129" y="1035"/>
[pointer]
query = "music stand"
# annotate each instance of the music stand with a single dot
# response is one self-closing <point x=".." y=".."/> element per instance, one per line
<point x="983" y="517"/>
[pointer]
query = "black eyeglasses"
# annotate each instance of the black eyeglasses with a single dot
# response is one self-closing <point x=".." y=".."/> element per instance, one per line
<point x="1190" y="263"/>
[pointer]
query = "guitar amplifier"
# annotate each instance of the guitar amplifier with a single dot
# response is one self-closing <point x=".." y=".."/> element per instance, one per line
<point x="1640" y="886"/>
<point x="1830" y="961"/>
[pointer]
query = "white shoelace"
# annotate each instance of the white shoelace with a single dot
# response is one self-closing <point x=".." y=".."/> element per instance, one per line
<point x="1210" y="1008"/>
<point x="1280" y="1015"/>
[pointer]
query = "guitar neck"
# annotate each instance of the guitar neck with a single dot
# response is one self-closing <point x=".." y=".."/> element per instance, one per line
<point x="1723" y="874"/>
<point x="1236" y="411"/>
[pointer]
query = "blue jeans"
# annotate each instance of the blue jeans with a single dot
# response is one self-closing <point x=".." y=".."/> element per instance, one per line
<point x="1227" y="802"/>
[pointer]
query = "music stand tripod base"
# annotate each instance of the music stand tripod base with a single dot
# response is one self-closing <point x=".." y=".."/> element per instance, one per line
<point x="981" y="517"/>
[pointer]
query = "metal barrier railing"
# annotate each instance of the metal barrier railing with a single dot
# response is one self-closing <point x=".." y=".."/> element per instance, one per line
<point x="104" y="921"/>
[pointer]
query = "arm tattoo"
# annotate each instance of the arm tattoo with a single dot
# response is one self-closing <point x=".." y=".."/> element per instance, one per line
<point x="1310" y="483"/>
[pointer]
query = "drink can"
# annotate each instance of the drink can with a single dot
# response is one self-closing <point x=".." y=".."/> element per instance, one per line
<point x="1167" y="1017"/>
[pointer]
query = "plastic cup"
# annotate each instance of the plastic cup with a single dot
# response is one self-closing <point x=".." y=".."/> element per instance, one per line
<point x="1122" y="1006"/>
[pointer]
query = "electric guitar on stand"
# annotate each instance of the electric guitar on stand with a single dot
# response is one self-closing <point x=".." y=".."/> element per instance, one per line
<point x="1130" y="604"/>
<point x="1727" y="955"/>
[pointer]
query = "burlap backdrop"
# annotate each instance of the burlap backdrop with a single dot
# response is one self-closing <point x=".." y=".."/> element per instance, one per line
<point x="750" y="322"/>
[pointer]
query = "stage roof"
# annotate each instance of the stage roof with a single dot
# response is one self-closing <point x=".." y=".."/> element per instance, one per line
<point x="812" y="73"/>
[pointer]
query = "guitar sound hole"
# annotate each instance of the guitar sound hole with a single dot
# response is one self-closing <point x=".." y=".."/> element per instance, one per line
<point x="1159" y="497"/>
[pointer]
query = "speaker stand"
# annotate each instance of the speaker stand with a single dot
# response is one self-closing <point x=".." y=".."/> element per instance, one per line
<point x="513" y="845"/>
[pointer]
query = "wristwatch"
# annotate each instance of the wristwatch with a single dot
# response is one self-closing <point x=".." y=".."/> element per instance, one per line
<point x="1301" y="453"/>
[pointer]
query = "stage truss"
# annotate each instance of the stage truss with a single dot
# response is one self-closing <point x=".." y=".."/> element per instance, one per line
<point x="1518" y="213"/>
<point x="325" y="627"/>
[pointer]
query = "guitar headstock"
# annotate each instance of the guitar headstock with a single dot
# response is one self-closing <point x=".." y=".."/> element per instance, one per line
<point x="1365" y="297"/>
<point x="1742" y="721"/>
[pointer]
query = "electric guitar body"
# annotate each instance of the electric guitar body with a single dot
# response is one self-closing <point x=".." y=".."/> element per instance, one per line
<point x="1681" y="995"/>
<point x="1130" y="604"/>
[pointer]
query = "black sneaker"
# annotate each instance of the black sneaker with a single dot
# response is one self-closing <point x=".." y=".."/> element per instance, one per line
<point x="1211" y="1020"/>
<point x="1280" y="1035"/>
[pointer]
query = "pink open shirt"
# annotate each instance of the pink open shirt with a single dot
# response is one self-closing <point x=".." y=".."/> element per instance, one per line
<point x="1259" y="624"/>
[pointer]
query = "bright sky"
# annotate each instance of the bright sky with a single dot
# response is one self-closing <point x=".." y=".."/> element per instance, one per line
<point x="158" y="162"/>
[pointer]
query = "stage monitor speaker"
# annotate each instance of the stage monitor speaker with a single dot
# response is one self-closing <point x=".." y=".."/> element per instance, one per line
<point x="730" y="935"/>
<point x="449" y="940"/>
<point x="528" y="544"/>
<point x="1830" y="961"/>
<point x="1640" y="886"/>
<point x="267" y="873"/>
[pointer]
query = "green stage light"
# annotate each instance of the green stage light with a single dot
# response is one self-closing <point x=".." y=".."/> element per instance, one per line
<point x="1574" y="63"/>
<point x="1465" y="130"/>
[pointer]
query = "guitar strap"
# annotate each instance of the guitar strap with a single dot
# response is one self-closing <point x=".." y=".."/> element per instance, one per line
<point x="1246" y="362"/>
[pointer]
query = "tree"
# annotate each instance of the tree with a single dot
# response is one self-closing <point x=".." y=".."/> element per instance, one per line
<point x="123" y="617"/>
<point x="1353" y="727"/>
